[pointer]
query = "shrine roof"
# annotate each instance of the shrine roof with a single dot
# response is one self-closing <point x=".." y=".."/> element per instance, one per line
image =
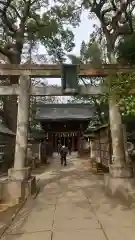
<point x="100" y="127"/>
<point x="59" y="112"/>
<point x="5" y="131"/>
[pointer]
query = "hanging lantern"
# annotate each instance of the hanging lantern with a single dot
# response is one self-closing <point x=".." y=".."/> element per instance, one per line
<point x="69" y="79"/>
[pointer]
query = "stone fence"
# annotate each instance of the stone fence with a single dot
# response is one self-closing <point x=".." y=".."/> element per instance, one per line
<point x="101" y="149"/>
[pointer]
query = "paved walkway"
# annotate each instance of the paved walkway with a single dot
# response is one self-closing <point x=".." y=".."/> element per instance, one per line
<point x="72" y="206"/>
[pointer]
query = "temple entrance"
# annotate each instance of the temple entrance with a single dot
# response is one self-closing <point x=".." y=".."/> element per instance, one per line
<point x="64" y="122"/>
<point x="64" y="139"/>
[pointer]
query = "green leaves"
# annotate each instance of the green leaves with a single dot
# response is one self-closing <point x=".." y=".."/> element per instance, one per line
<point x="89" y="53"/>
<point x="119" y="85"/>
<point x="127" y="105"/>
<point x="93" y="53"/>
<point x="126" y="50"/>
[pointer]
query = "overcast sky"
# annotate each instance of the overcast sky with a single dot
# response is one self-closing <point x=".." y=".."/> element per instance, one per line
<point x="81" y="33"/>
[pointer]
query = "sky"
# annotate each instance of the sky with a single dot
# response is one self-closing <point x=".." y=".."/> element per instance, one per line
<point x="81" y="33"/>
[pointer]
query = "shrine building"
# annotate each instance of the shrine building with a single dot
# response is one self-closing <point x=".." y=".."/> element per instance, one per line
<point x="64" y="122"/>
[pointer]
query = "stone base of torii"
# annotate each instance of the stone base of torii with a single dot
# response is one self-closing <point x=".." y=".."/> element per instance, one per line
<point x="120" y="181"/>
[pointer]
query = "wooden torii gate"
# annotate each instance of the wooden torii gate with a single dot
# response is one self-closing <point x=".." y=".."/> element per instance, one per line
<point x="24" y="90"/>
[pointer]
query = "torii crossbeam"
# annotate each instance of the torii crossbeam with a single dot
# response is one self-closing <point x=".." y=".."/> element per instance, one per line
<point x="55" y="70"/>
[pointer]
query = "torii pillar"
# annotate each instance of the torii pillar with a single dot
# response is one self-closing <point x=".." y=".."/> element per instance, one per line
<point x="120" y="179"/>
<point x="20" y="175"/>
<point x="19" y="171"/>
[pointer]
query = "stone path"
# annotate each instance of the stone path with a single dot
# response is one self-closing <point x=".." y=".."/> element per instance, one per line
<point x="72" y="206"/>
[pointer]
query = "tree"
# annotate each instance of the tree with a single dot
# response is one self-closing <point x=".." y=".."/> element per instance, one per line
<point x="126" y="47"/>
<point x="22" y="24"/>
<point x="116" y="20"/>
<point x="90" y="52"/>
<point x="126" y="50"/>
<point x="100" y="106"/>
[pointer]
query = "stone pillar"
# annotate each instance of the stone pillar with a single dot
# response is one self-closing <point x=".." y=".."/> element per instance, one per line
<point x="92" y="155"/>
<point x="39" y="152"/>
<point x="119" y="180"/>
<point x="19" y="171"/>
<point x="127" y="158"/>
<point x="119" y="168"/>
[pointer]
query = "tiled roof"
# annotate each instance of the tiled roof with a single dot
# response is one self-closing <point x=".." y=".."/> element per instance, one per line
<point x="55" y="112"/>
<point x="5" y="131"/>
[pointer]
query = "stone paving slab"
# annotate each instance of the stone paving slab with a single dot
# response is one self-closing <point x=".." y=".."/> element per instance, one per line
<point x="69" y="210"/>
<point x="44" y="203"/>
<point x="94" y="234"/>
<point x="61" y="224"/>
<point x="36" y="221"/>
<point x="49" y="201"/>
<point x="29" y="236"/>
<point x="74" y="214"/>
<point x="117" y="220"/>
<point x="120" y="233"/>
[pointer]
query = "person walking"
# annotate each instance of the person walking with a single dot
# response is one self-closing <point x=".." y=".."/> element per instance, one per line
<point x="63" y="155"/>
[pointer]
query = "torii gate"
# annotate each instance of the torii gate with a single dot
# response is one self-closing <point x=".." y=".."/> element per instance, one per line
<point x="24" y="90"/>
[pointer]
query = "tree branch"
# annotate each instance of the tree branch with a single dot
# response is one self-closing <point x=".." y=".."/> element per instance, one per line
<point x="117" y="25"/>
<point x="98" y="109"/>
<point x="6" y="20"/>
<point x="106" y="11"/>
<point x="14" y="9"/>
<point x="9" y="5"/>
<point x="21" y="30"/>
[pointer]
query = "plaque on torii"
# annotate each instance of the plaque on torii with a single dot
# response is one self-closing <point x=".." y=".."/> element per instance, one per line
<point x="69" y="79"/>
